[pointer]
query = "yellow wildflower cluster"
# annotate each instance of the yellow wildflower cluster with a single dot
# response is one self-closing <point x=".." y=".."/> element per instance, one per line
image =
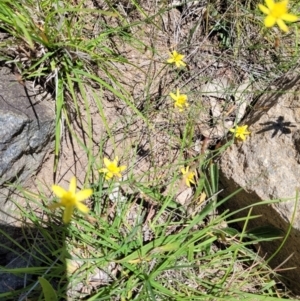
<point x="70" y="199"/>
<point x="276" y="13"/>
<point x="180" y="99"/>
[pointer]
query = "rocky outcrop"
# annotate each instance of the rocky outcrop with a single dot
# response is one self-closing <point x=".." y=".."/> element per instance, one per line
<point x="27" y="125"/>
<point x="267" y="166"/>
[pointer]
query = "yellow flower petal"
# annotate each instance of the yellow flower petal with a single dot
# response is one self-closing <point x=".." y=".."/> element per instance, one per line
<point x="270" y="4"/>
<point x="180" y="63"/>
<point x="109" y="175"/>
<point x="122" y="167"/>
<point x="83" y="194"/>
<point x="173" y="96"/>
<point x="192" y="180"/>
<point x="289" y="18"/>
<point x="263" y="9"/>
<point x="103" y="170"/>
<point x="67" y="214"/>
<point x="83" y="208"/>
<point x="106" y="162"/>
<point x="270" y="21"/>
<point x="244" y="128"/>
<point x="184" y="170"/>
<point x="72" y="187"/>
<point x="58" y="191"/>
<point x="282" y="25"/>
<point x="283" y="3"/>
<point x="178" y="56"/>
<point x="187" y="182"/>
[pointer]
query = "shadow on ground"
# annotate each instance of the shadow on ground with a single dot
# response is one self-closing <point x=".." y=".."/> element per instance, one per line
<point x="27" y="253"/>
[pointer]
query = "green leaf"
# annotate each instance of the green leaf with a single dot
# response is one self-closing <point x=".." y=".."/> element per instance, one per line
<point x="48" y="291"/>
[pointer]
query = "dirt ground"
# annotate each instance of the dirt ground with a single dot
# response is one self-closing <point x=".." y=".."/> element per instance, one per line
<point x="147" y="148"/>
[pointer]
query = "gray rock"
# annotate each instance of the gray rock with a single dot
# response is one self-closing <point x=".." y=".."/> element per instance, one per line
<point x="11" y="282"/>
<point x="34" y="256"/>
<point x="267" y="166"/>
<point x="27" y="125"/>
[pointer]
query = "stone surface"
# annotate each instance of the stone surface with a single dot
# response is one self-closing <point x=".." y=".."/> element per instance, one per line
<point x="267" y="166"/>
<point x="27" y="125"/>
<point x="224" y="103"/>
<point x="11" y="282"/>
<point x="33" y="253"/>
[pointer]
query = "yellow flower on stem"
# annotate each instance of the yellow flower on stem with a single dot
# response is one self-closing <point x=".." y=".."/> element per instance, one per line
<point x="70" y="199"/>
<point x="240" y="132"/>
<point x="277" y="13"/>
<point x="112" y="169"/>
<point x="188" y="176"/>
<point x="176" y="58"/>
<point x="180" y="100"/>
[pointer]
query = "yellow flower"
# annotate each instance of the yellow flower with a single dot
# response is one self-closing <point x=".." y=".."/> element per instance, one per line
<point x="176" y="58"/>
<point x="112" y="168"/>
<point x="188" y="176"/>
<point x="277" y="13"/>
<point x="240" y="132"/>
<point x="70" y="199"/>
<point x="180" y="100"/>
